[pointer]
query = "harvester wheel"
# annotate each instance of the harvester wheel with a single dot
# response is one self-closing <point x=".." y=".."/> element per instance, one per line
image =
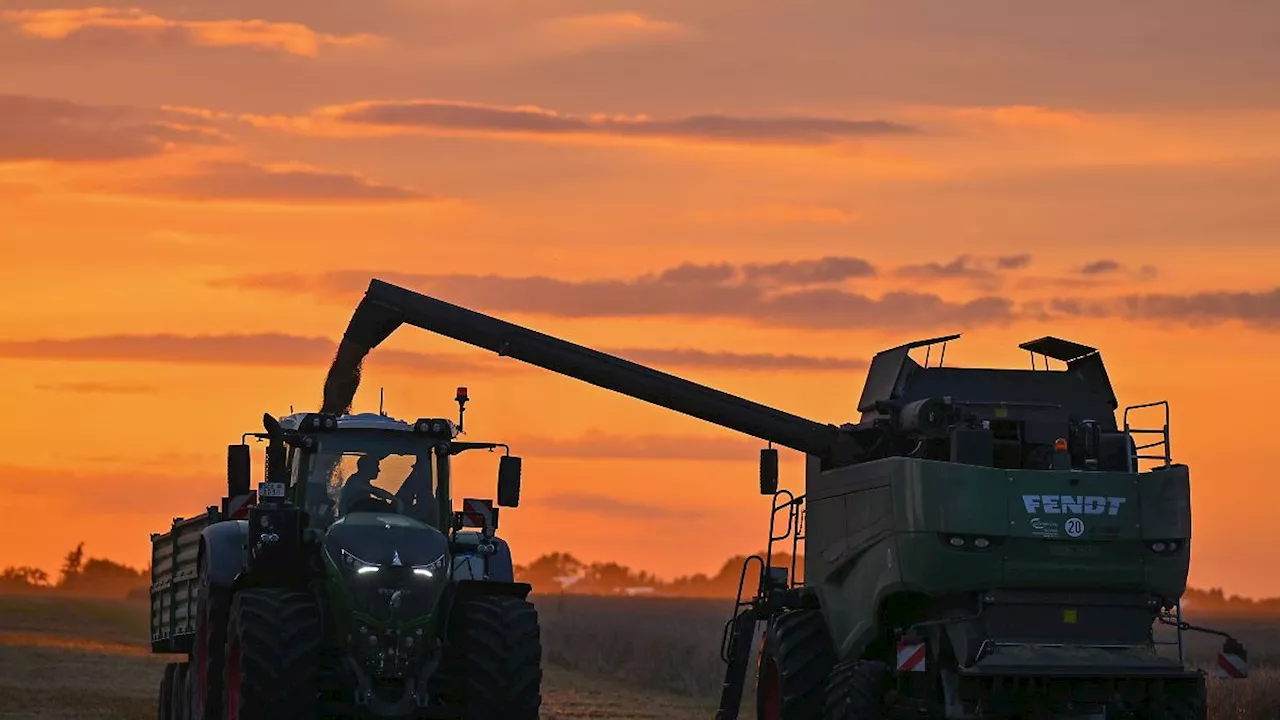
<point x="855" y="690"/>
<point x="496" y="655"/>
<point x="1182" y="704"/>
<point x="796" y="657"/>
<point x="273" y="645"/>
<point x="166" y="693"/>
<point x="210" y="643"/>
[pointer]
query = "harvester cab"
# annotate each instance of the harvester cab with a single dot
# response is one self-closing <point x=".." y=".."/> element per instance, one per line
<point x="982" y="543"/>
<point x="346" y="582"/>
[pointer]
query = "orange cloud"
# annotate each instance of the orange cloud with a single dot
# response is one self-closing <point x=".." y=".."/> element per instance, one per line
<point x="445" y="117"/>
<point x="575" y="33"/>
<point x="286" y="183"/>
<point x="283" y="350"/>
<point x="292" y="38"/>
<point x="780" y="214"/>
<point x="36" y="128"/>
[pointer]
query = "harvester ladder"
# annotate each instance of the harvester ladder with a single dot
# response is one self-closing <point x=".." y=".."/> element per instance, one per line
<point x="1163" y="442"/>
<point x="793" y="531"/>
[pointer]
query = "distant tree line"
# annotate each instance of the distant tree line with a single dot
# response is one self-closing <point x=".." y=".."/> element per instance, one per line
<point x="78" y="576"/>
<point x="550" y="574"/>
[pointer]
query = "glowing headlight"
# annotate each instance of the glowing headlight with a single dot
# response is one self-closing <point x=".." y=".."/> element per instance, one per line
<point x="431" y="568"/>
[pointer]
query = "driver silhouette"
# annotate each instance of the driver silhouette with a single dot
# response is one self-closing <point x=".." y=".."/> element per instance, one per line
<point x="357" y="493"/>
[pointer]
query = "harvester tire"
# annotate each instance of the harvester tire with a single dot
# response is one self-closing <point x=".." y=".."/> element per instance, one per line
<point x="212" y="606"/>
<point x="495" y="655"/>
<point x="855" y="691"/>
<point x="1190" y="704"/>
<point x="270" y="672"/>
<point x="794" y="663"/>
<point x="165" y="695"/>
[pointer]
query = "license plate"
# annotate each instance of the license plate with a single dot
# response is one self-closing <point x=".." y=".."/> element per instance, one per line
<point x="270" y="490"/>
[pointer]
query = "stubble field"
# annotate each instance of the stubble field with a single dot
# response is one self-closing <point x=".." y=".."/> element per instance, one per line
<point x="624" y="658"/>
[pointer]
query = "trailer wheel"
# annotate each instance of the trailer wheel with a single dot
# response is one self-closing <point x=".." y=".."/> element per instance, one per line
<point x="165" y="695"/>
<point x="855" y="690"/>
<point x="494" y="659"/>
<point x="213" y="605"/>
<point x="794" y="662"/>
<point x="270" y="671"/>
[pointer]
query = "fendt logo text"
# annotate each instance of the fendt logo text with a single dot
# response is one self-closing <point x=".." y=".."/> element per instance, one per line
<point x="1072" y="504"/>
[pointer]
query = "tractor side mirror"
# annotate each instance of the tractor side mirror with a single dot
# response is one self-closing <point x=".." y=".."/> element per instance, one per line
<point x="238" y="469"/>
<point x="768" y="471"/>
<point x="509" y="481"/>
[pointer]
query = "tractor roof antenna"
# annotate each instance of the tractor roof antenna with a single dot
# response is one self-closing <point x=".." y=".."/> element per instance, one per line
<point x="382" y="396"/>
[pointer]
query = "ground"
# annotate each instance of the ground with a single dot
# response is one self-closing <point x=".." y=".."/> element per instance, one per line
<point x="605" y="658"/>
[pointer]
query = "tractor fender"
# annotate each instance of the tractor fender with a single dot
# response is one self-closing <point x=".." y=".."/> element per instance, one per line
<point x="223" y="544"/>
<point x="499" y="565"/>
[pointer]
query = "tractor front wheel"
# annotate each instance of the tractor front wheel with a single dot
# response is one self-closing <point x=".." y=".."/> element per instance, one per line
<point x="495" y="659"/>
<point x="273" y="643"/>
<point x="855" y="691"/>
<point x="796" y="657"/>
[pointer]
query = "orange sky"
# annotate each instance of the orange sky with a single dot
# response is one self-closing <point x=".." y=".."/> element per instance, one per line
<point x="192" y="199"/>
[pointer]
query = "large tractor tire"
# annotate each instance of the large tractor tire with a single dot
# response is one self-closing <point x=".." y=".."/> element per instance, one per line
<point x="212" y="608"/>
<point x="274" y="640"/>
<point x="178" y="701"/>
<point x="1188" y="703"/>
<point x="795" y="660"/>
<point x="165" y="696"/>
<point x="855" y="691"/>
<point x="494" y="659"/>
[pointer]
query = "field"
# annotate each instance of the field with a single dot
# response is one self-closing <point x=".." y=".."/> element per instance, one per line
<point x="605" y="658"/>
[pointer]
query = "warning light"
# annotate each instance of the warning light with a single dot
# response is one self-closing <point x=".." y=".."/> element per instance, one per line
<point x="462" y="394"/>
<point x="1060" y="445"/>
<point x="1070" y="616"/>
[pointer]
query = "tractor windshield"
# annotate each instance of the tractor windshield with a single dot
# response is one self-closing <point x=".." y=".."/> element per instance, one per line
<point x="371" y="471"/>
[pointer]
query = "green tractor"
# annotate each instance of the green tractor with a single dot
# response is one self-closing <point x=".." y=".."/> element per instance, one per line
<point x="346" y="585"/>
<point x="982" y="543"/>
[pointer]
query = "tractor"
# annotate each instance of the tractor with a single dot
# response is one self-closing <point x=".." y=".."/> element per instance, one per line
<point x="981" y="543"/>
<point x="346" y="585"/>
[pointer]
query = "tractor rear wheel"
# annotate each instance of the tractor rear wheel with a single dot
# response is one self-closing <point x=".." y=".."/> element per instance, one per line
<point x="495" y="659"/>
<point x="274" y="641"/>
<point x="794" y="662"/>
<point x="178" y="692"/>
<point x="855" y="691"/>
<point x="165" y="695"/>
<point x="210" y="643"/>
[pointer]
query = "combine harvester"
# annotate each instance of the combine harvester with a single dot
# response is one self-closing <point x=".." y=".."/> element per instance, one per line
<point x="981" y="544"/>
<point x="346" y="586"/>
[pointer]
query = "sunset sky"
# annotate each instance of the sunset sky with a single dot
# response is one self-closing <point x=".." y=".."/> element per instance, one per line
<point x="756" y="195"/>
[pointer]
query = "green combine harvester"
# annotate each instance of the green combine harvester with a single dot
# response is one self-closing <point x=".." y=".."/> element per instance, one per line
<point x="346" y="585"/>
<point x="982" y="543"/>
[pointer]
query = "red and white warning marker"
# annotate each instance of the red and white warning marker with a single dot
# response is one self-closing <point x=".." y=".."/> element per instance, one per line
<point x="477" y="513"/>
<point x="1233" y="661"/>
<point x="238" y="506"/>
<point x="912" y="653"/>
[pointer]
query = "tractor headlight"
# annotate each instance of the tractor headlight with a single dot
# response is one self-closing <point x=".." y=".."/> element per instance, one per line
<point x="439" y="566"/>
<point x="360" y="566"/>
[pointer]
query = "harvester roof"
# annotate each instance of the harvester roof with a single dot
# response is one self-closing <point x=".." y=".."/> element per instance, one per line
<point x="1082" y="388"/>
